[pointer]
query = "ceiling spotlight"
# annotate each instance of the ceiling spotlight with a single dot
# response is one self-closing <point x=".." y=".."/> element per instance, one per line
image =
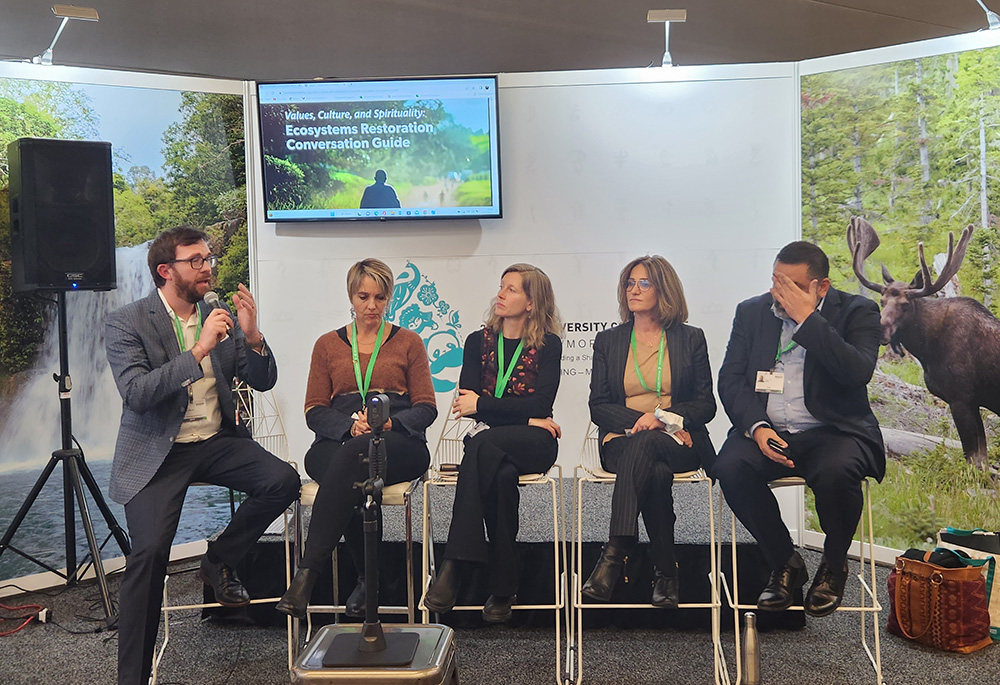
<point x="66" y="12"/>
<point x="666" y="17"/>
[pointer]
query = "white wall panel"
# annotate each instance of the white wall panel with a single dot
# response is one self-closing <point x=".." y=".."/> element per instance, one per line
<point x="699" y="165"/>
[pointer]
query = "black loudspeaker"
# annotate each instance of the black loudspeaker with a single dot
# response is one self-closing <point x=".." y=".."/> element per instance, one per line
<point x="62" y="218"/>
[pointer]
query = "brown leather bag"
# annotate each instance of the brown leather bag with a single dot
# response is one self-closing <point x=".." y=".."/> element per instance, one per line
<point x="937" y="606"/>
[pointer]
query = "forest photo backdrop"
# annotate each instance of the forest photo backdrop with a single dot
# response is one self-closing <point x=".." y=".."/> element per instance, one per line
<point x="914" y="147"/>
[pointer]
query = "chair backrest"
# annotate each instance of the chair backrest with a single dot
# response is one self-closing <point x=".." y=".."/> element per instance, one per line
<point x="263" y="419"/>
<point x="451" y="447"/>
<point x="590" y="456"/>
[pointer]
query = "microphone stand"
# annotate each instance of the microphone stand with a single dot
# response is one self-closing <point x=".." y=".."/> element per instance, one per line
<point x="372" y="636"/>
<point x="373" y="647"/>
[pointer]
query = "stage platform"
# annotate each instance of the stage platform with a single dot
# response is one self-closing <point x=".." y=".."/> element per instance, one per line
<point x="262" y="571"/>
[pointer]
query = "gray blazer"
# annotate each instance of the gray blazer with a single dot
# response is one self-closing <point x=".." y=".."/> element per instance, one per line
<point x="152" y="376"/>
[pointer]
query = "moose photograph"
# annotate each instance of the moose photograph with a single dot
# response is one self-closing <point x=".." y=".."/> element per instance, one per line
<point x="901" y="188"/>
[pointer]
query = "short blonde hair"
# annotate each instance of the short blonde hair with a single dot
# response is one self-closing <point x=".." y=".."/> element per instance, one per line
<point x="377" y="270"/>
<point x="671" y="307"/>
<point x="544" y="316"/>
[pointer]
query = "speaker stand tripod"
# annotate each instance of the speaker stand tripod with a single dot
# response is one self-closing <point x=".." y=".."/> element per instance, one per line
<point x="76" y="474"/>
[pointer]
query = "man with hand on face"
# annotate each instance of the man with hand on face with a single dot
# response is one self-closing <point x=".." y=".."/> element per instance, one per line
<point x="794" y="384"/>
<point x="174" y="358"/>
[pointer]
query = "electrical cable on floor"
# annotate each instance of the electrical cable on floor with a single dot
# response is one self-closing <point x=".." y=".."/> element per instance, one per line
<point x="34" y="610"/>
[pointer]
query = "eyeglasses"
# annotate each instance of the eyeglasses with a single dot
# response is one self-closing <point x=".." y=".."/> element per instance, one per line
<point x="198" y="262"/>
<point x="643" y="284"/>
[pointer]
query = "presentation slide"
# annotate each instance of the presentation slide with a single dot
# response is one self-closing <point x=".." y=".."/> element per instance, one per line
<point x="395" y="149"/>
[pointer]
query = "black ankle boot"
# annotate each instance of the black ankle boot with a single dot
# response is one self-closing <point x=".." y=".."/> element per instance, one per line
<point x="605" y="575"/>
<point x="443" y="592"/>
<point x="356" y="603"/>
<point x="497" y="608"/>
<point x="666" y="593"/>
<point x="296" y="598"/>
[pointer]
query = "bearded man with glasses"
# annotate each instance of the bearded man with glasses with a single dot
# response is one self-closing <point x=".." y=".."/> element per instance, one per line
<point x="174" y="358"/>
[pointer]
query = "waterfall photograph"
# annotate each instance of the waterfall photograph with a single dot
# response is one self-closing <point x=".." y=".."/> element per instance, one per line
<point x="177" y="158"/>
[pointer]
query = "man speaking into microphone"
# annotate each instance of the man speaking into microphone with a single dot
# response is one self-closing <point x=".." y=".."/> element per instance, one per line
<point x="174" y="355"/>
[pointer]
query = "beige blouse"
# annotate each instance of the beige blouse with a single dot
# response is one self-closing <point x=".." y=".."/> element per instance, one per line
<point x="637" y="397"/>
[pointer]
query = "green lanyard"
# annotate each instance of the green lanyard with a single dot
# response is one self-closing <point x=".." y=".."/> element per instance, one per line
<point x="363" y="387"/>
<point x="503" y="377"/>
<point x="781" y="350"/>
<point x="659" y="364"/>
<point x="179" y="329"/>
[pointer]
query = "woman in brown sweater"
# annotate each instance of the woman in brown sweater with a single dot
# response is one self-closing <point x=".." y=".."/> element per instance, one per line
<point x="349" y="365"/>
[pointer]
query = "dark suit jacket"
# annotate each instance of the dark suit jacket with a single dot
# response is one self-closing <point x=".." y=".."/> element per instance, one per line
<point x="152" y="376"/>
<point x="841" y="342"/>
<point x="690" y="384"/>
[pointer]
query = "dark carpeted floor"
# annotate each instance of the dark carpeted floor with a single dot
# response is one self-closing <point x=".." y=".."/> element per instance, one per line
<point x="201" y="652"/>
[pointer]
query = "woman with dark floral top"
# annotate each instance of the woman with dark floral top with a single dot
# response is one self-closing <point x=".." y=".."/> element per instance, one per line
<point x="510" y="374"/>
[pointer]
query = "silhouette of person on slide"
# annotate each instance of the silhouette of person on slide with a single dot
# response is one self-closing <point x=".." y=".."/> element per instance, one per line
<point x="379" y="193"/>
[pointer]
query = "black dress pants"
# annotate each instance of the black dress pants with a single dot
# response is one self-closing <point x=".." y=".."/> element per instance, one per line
<point x="152" y="517"/>
<point x="487" y="493"/>
<point x="832" y="463"/>
<point x="644" y="464"/>
<point x="337" y="467"/>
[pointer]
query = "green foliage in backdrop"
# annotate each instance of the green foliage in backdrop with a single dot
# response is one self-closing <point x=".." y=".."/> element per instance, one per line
<point x="204" y="185"/>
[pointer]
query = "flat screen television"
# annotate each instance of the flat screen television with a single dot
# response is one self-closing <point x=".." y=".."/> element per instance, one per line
<point x="415" y="148"/>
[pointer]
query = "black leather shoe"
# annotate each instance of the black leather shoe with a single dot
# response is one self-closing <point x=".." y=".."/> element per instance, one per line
<point x="355" y="607"/>
<point x="497" y="609"/>
<point x="777" y="595"/>
<point x="605" y="575"/>
<point x="666" y="593"/>
<point x="827" y="590"/>
<point x="229" y="591"/>
<point x="296" y="597"/>
<point x="443" y="592"/>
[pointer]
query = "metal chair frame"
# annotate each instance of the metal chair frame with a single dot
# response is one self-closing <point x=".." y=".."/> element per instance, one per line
<point x="166" y="609"/>
<point x="444" y="473"/>
<point x="591" y="471"/>
<point x="866" y="576"/>
<point x="260" y="413"/>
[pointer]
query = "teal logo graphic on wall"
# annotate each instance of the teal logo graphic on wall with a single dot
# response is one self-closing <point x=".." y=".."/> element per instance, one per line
<point x="416" y="306"/>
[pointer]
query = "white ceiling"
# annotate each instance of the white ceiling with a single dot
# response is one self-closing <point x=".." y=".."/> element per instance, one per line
<point x="278" y="39"/>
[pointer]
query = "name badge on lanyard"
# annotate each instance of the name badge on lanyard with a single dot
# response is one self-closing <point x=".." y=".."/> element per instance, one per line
<point x="771" y="382"/>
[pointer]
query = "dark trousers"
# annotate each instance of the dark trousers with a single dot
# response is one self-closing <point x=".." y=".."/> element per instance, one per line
<point x="152" y="517"/>
<point x="832" y="463"/>
<point x="644" y="465"/>
<point x="337" y="467"/>
<point x="487" y="493"/>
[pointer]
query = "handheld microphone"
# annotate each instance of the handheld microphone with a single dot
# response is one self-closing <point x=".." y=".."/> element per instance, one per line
<point x="212" y="300"/>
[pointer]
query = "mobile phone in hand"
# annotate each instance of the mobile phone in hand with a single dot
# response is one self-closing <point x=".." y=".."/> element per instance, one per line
<point x="783" y="450"/>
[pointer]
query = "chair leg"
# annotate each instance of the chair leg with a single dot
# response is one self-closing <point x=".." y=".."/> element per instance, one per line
<point x="408" y="514"/>
<point x="427" y="569"/>
<point x="557" y="599"/>
<point x="868" y="584"/>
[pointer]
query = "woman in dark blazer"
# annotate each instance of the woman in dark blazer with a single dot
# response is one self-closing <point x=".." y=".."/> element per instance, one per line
<point x="650" y="397"/>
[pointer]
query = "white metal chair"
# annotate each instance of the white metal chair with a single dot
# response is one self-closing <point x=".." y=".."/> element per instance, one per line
<point x="591" y="471"/>
<point x="444" y="473"/>
<point x="868" y="603"/>
<point x="261" y="415"/>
